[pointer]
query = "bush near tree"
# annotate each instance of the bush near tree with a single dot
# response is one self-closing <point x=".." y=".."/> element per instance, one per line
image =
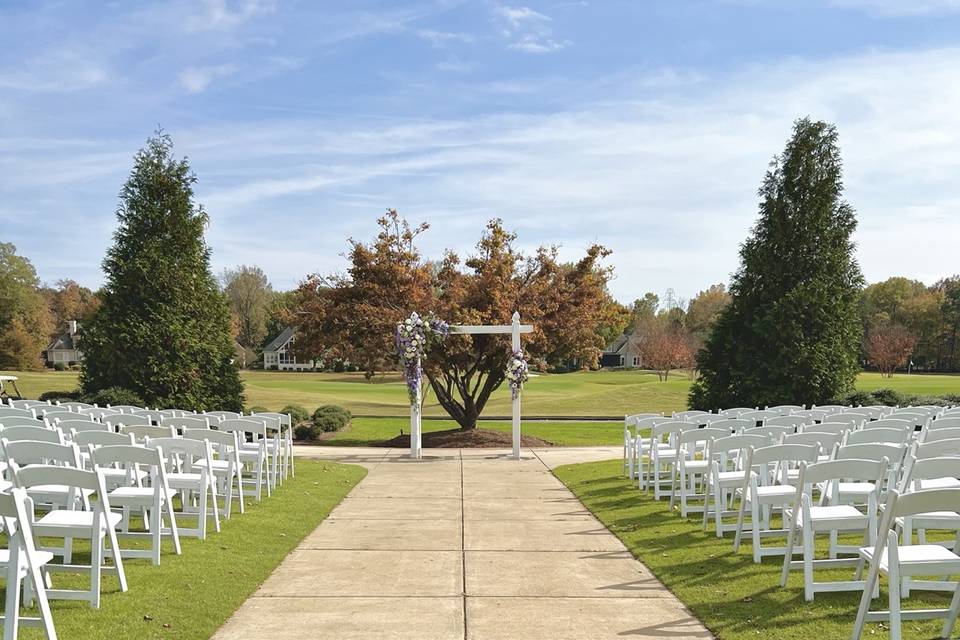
<point x="298" y="414"/>
<point x="792" y="331"/>
<point x="163" y="328"/>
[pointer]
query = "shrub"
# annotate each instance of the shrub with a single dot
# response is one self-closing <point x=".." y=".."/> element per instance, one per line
<point x="339" y="366"/>
<point x="59" y="366"/>
<point x="115" y="396"/>
<point x="855" y="399"/>
<point x="888" y="397"/>
<point x="297" y="413"/>
<point x="257" y="409"/>
<point x="331" y="417"/>
<point x="306" y="432"/>
<point x="63" y="396"/>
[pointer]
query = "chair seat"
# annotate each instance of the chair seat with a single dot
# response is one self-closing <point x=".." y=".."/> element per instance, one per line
<point x="733" y="477"/>
<point x="697" y="465"/>
<point x="940" y="483"/>
<point x="776" y="491"/>
<point x="915" y="559"/>
<point x="184" y="480"/>
<point x="55" y="492"/>
<point x="836" y="516"/>
<point x="126" y="496"/>
<point x="42" y="557"/>
<point x="216" y="465"/>
<point x="60" y="519"/>
<point x="933" y="520"/>
<point x="666" y="453"/>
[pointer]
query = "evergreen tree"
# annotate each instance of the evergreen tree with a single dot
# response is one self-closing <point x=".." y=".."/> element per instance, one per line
<point x="792" y="331"/>
<point x="163" y="328"/>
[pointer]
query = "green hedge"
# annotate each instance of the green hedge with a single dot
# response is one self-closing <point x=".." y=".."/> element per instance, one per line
<point x="894" y="398"/>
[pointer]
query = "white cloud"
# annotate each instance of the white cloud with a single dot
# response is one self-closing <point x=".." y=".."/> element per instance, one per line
<point x="527" y="30"/>
<point x="900" y="7"/>
<point x="442" y="39"/>
<point x="224" y="15"/>
<point x="197" y="79"/>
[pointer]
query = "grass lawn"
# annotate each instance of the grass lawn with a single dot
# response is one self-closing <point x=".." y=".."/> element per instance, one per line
<point x="585" y="393"/>
<point x="365" y="432"/>
<point x="190" y="596"/>
<point x="735" y="598"/>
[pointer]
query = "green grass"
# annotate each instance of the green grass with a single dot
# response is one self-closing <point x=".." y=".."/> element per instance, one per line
<point x="190" y="596"/>
<point x="735" y="598"/>
<point x="365" y="432"/>
<point x="584" y="393"/>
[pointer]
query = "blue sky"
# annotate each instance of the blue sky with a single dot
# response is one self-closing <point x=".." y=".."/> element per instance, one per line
<point x="646" y="126"/>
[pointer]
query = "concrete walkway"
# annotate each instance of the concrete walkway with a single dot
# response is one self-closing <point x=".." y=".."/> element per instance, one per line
<point x="465" y="544"/>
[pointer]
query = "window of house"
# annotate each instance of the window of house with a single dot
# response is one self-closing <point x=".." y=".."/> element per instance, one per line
<point x="636" y="361"/>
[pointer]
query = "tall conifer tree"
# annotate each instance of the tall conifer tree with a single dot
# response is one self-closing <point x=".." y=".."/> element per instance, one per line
<point x="791" y="333"/>
<point x="163" y="329"/>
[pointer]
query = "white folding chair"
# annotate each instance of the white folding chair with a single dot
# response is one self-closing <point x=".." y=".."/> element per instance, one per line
<point x="190" y="473"/>
<point x="68" y="426"/>
<point x="876" y="436"/>
<point x="141" y="432"/>
<point x="727" y="458"/>
<point x="13" y="412"/>
<point x="840" y="428"/>
<point x="179" y="423"/>
<point x="826" y="441"/>
<point x="886" y="556"/>
<point x="89" y="440"/>
<point x="24" y="567"/>
<point x="156" y="499"/>
<point x="690" y="470"/>
<point x="226" y="463"/>
<point x="37" y="434"/>
<point x="12" y="421"/>
<point x="735" y="412"/>
<point x="630" y="433"/>
<point x="663" y="455"/>
<point x="252" y="453"/>
<point x="767" y="489"/>
<point x="276" y="448"/>
<point x="787" y="421"/>
<point x="786" y="409"/>
<point x="641" y="446"/>
<point x="97" y="524"/>
<point x="286" y="441"/>
<point x="124" y="408"/>
<point x="126" y="420"/>
<point x="854" y="421"/>
<point x="805" y="519"/>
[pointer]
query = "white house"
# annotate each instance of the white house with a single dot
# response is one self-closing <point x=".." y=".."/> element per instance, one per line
<point x="64" y="349"/>
<point x="279" y="353"/>
<point x="622" y="352"/>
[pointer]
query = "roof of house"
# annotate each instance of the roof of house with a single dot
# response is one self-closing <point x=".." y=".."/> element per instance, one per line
<point x="618" y="345"/>
<point x="280" y="340"/>
<point x="64" y="341"/>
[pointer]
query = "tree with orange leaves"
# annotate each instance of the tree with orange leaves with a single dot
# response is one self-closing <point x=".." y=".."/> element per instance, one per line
<point x="889" y="346"/>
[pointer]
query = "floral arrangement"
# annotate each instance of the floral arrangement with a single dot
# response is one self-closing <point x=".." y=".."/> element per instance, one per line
<point x="518" y="372"/>
<point x="415" y="336"/>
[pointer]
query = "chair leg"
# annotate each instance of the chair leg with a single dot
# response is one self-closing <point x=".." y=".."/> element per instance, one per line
<point x="757" y="524"/>
<point x="216" y="508"/>
<point x="96" y="566"/>
<point x="951" y="619"/>
<point x="156" y="528"/>
<point x="11" y="622"/>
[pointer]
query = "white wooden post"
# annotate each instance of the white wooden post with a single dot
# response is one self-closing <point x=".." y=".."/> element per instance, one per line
<point x="515" y="345"/>
<point x="415" y="424"/>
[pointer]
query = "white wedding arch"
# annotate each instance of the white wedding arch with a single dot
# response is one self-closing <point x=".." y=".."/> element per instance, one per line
<point x="412" y="339"/>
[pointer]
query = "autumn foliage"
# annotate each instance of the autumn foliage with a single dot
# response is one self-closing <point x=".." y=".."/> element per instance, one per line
<point x="889" y="346"/>
<point x="353" y="316"/>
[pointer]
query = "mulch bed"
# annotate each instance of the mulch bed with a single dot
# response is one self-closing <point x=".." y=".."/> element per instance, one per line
<point x="471" y="438"/>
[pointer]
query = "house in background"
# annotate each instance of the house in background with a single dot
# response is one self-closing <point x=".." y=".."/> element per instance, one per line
<point x="64" y="348"/>
<point x="279" y="353"/>
<point x="622" y="352"/>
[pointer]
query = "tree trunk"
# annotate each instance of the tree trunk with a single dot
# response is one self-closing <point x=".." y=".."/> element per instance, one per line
<point x="472" y="397"/>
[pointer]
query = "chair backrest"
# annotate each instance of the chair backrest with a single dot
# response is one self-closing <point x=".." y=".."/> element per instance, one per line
<point x="731" y="451"/>
<point x="140" y="431"/>
<point x="270" y="422"/>
<point x="936" y="435"/>
<point x="947" y="422"/>
<point x="188" y="450"/>
<point x="27" y="404"/>
<point x="916" y="502"/>
<point x="81" y="425"/>
<point x="685" y="415"/>
<point x="127" y="420"/>
<point x="787" y="421"/>
<point x="40" y="434"/>
<point x="868" y="413"/>
<point x="852" y="420"/>
<point x="826" y="441"/>
<point x="786" y="409"/>
<point x="101" y="438"/>
<point x="153" y="416"/>
<point x="224" y="415"/>
<point x="99" y="413"/>
<point x="889" y="423"/>
<point x="35" y="452"/>
<point x="937" y="448"/>
<point x="917" y="418"/>
<point x="830" y="408"/>
<point x="693" y="436"/>
<point x="813" y="414"/>
<point x="658" y="431"/>
<point x="790" y="454"/>
<point x="775" y="432"/>
<point x="868" y="436"/>
<point x="929" y="469"/>
<point x="758" y="416"/>
<point x="892" y="453"/>
<point x="13" y="412"/>
<point x="77" y="406"/>
<point x="735" y="425"/>
<point x="255" y="427"/>
<point x="187" y="422"/>
<point x="220" y="438"/>
<point x="839" y="428"/>
<point x="54" y="413"/>
<point x="735" y="412"/>
<point x="125" y="408"/>
<point x="42" y="474"/>
<point x="852" y="469"/>
<point x="126" y="454"/>
<point x="10" y="421"/>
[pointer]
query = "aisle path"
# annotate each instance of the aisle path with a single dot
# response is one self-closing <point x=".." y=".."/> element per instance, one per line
<point x="465" y="544"/>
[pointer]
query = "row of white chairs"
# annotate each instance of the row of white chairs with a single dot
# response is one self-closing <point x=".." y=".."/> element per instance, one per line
<point x="64" y="481"/>
<point x="839" y="477"/>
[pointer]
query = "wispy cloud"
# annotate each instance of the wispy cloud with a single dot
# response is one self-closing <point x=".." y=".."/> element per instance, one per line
<point x="527" y="30"/>
<point x="197" y="79"/>
<point x="900" y="7"/>
<point x="442" y="39"/>
<point x="216" y="15"/>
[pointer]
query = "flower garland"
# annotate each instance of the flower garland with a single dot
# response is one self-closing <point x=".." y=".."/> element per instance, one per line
<point x="518" y="371"/>
<point x="415" y="336"/>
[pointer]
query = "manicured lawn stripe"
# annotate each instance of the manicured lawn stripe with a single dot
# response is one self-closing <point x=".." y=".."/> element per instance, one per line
<point x="735" y="598"/>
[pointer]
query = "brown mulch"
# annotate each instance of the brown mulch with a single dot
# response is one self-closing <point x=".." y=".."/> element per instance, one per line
<point x="471" y="438"/>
